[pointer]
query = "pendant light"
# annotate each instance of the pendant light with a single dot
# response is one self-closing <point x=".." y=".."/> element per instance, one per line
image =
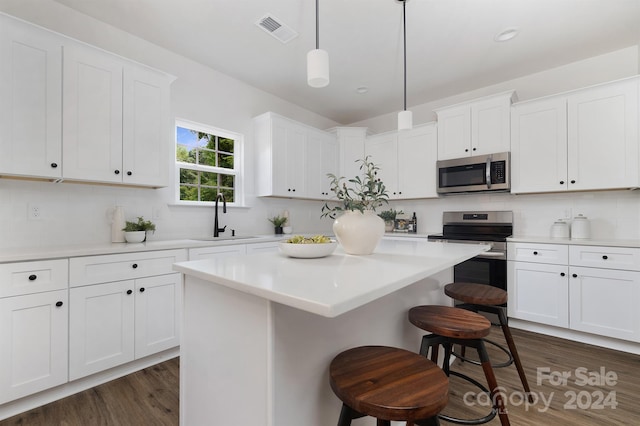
<point x="317" y="62"/>
<point x="405" y="118"/>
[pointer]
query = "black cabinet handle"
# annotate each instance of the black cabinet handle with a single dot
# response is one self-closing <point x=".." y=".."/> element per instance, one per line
<point x="535" y="253"/>
<point x="561" y="182"/>
<point x="129" y="291"/>
<point x="134" y="266"/>
<point x="129" y="173"/>
<point x="575" y="275"/>
<point x="58" y="304"/>
<point x="141" y="289"/>
<point x="117" y="172"/>
<point x="474" y="149"/>
<point x="54" y="165"/>
<point x="33" y="277"/>
<point x="605" y="257"/>
<point x="573" y="181"/>
<point x="466" y="150"/>
<point x="562" y="274"/>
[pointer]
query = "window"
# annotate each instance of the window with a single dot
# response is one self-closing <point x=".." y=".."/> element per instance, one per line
<point x="207" y="163"/>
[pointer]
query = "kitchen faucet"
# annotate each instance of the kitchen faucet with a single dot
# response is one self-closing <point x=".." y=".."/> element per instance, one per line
<point x="216" y="230"/>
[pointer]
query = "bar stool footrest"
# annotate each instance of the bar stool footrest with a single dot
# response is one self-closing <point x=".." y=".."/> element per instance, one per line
<point x="506" y="363"/>
<point x="477" y="421"/>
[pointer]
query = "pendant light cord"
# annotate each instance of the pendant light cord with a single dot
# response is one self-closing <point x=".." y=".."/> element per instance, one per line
<point x="404" y="27"/>
<point x="317" y="27"/>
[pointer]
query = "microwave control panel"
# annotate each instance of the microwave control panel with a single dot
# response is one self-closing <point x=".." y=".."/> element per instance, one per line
<point x="498" y="172"/>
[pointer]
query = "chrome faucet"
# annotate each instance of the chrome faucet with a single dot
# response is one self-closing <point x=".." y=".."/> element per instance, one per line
<point x="216" y="230"/>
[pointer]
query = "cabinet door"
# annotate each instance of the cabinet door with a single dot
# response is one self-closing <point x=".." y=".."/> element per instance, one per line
<point x="146" y="127"/>
<point x="417" y="155"/>
<point x="351" y="146"/>
<point x="321" y="159"/>
<point x="92" y="119"/>
<point x="101" y="327"/>
<point x="30" y="101"/>
<point x="454" y="133"/>
<point x="538" y="292"/>
<point x="157" y="314"/>
<point x="539" y="146"/>
<point x="603" y="137"/>
<point x="605" y="302"/>
<point x="288" y="150"/>
<point x="34" y="336"/>
<point x="383" y="150"/>
<point x="491" y="125"/>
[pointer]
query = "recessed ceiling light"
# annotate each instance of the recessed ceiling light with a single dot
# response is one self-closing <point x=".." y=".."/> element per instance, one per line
<point x="507" y="34"/>
<point x="362" y="90"/>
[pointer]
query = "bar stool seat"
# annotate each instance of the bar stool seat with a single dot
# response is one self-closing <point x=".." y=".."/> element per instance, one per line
<point x="485" y="298"/>
<point x="388" y="384"/>
<point x="449" y="326"/>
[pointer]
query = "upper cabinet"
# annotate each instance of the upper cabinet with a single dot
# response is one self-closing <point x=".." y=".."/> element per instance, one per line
<point x="350" y="149"/>
<point x="71" y="111"/>
<point x="30" y="100"/>
<point x="293" y="159"/>
<point x="584" y="140"/>
<point x="478" y="127"/>
<point x="407" y="161"/>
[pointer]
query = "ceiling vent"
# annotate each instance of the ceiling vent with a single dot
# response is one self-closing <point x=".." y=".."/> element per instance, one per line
<point x="272" y="25"/>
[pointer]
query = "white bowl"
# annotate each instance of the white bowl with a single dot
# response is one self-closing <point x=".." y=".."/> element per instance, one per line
<point x="135" y="236"/>
<point x="308" y="251"/>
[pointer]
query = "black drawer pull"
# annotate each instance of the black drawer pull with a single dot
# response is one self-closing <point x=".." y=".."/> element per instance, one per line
<point x="129" y="291"/>
<point x="54" y="165"/>
<point x="535" y="253"/>
<point x="562" y="274"/>
<point x="605" y="257"/>
<point x="561" y="182"/>
<point x="141" y="289"/>
<point x="33" y="277"/>
<point x="575" y="275"/>
<point x="134" y="266"/>
<point x="58" y="304"/>
<point x="129" y="173"/>
<point x="573" y="181"/>
<point x="117" y="172"/>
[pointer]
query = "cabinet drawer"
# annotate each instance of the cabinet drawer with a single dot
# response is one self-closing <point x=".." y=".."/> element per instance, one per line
<point x="557" y="254"/>
<point x="626" y="258"/>
<point x="116" y="267"/>
<point x="217" y="251"/>
<point x="33" y="277"/>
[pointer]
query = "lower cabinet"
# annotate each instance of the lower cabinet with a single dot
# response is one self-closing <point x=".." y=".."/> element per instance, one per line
<point x="33" y="353"/>
<point x="600" y="298"/>
<point x="114" y="323"/>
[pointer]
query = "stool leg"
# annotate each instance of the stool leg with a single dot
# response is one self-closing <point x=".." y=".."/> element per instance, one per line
<point x="383" y="422"/>
<point x="496" y="397"/>
<point x="514" y="353"/>
<point x="346" y="414"/>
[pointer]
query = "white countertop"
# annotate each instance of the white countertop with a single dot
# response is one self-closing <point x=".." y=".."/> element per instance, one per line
<point x="575" y="242"/>
<point x="335" y="284"/>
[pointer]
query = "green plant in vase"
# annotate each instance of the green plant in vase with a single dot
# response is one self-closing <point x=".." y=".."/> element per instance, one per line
<point x="278" y="222"/>
<point x="136" y="232"/>
<point x="389" y="217"/>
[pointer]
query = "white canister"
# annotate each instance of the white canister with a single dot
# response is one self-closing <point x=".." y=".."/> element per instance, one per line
<point x="117" y="223"/>
<point x="580" y="228"/>
<point x="560" y="229"/>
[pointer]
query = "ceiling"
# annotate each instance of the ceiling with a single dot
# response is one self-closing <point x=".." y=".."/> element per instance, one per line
<point x="450" y="43"/>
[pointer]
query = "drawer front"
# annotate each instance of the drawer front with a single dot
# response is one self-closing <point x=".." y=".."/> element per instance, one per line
<point x="33" y="277"/>
<point x="216" y="252"/>
<point x="625" y="258"/>
<point x="557" y="254"/>
<point x="117" y="267"/>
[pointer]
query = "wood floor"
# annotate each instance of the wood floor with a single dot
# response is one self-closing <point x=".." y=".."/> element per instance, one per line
<point x="150" y="397"/>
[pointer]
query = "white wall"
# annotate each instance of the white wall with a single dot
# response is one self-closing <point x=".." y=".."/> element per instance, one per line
<point x="199" y="94"/>
<point x="205" y="95"/>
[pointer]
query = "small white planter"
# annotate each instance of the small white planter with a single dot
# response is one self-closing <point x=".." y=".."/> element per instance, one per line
<point x="359" y="233"/>
<point x="135" y="236"/>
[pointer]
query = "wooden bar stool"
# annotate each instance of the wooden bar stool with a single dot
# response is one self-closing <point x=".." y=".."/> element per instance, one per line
<point x="451" y="326"/>
<point x="486" y="298"/>
<point x="388" y="384"/>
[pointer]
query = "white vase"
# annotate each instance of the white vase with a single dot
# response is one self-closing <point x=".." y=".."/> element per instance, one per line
<point x="135" y="236"/>
<point x="117" y="223"/>
<point x="358" y="233"/>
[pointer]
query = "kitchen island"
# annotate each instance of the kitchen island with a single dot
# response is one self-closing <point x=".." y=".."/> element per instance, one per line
<point x="259" y="331"/>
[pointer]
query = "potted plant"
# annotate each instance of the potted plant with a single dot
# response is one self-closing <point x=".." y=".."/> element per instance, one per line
<point x="136" y="232"/>
<point x="389" y="217"/>
<point x="358" y="229"/>
<point x="278" y="222"/>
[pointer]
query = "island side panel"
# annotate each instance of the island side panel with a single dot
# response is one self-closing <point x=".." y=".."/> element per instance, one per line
<point x="305" y="344"/>
<point x="225" y="357"/>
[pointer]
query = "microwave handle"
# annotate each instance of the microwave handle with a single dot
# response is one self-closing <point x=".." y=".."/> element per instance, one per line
<point x="488" y="171"/>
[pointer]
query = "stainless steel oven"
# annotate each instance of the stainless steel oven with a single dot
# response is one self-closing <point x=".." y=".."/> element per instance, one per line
<point x="490" y="227"/>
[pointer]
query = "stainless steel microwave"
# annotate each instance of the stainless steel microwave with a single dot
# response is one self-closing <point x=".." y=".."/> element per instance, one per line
<point x="481" y="173"/>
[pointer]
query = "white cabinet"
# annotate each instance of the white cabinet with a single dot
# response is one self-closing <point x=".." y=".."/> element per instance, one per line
<point x="30" y="100"/>
<point x="122" y="307"/>
<point x="585" y="140"/>
<point x="270" y="247"/>
<point x="292" y="159"/>
<point x="33" y="327"/>
<point x="537" y="280"/>
<point x="351" y="142"/>
<point x="407" y="161"/>
<point x="590" y="289"/>
<point x="115" y="120"/>
<point x="478" y="127"/>
<point x="216" y="251"/>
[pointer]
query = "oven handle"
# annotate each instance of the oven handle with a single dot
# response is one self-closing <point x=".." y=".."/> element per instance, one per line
<point x="493" y="254"/>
